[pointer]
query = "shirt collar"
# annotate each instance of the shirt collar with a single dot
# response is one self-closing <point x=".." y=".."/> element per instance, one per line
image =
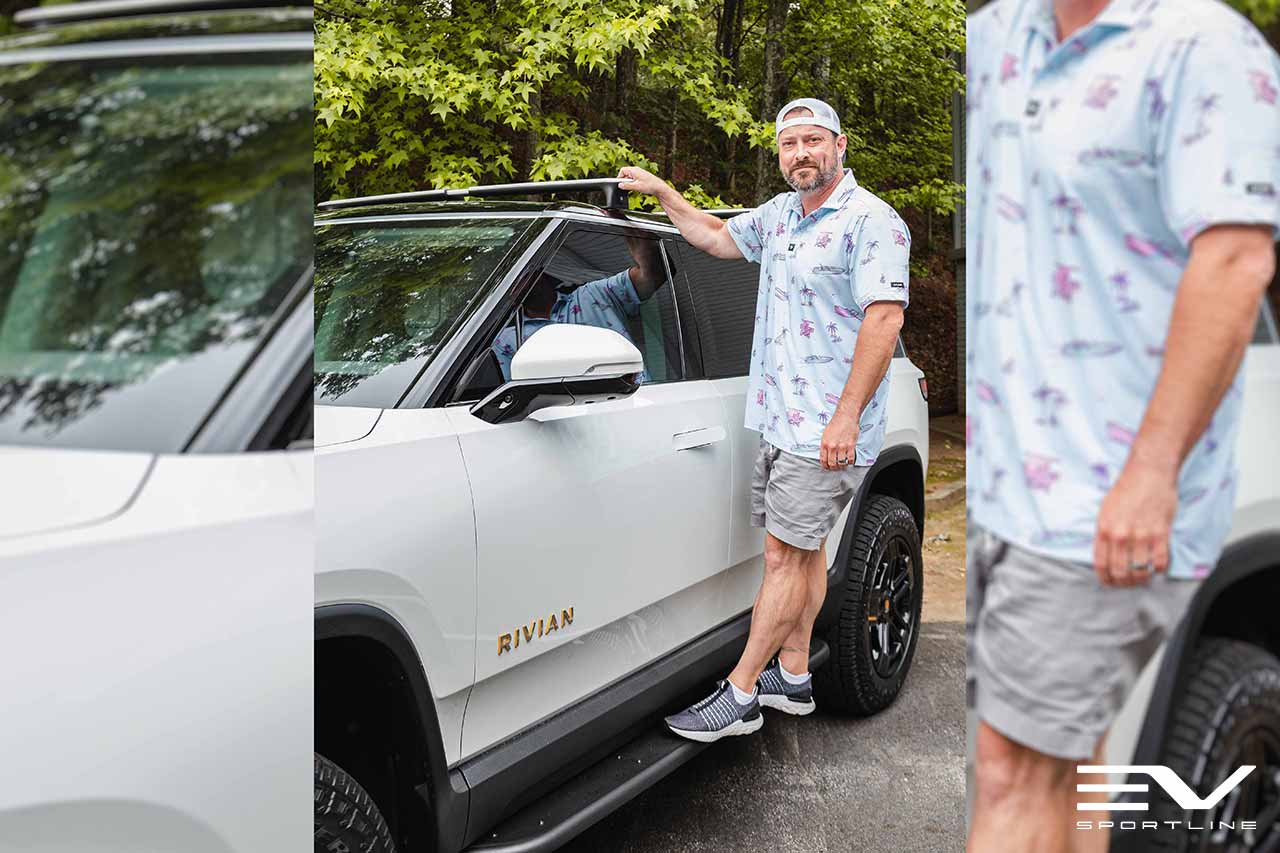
<point x="1118" y="14"/>
<point x="839" y="196"/>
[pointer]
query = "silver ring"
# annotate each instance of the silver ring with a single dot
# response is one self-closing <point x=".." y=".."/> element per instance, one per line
<point x="1146" y="567"/>
<point x="843" y="461"/>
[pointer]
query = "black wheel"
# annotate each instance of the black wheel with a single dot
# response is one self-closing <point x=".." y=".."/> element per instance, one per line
<point x="874" y="637"/>
<point x="1228" y="716"/>
<point x="347" y="821"/>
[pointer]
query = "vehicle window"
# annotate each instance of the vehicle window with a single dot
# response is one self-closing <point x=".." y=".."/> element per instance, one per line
<point x="387" y="297"/>
<point x="154" y="217"/>
<point x="606" y="280"/>
<point x="724" y="294"/>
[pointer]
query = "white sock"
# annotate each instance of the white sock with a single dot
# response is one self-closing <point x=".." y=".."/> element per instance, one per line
<point x="740" y="697"/>
<point x="789" y="677"/>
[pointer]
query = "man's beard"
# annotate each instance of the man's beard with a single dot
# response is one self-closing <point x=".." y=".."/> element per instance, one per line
<point x="819" y="181"/>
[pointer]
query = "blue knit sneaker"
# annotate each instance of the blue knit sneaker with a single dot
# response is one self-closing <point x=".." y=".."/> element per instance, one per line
<point x="774" y="691"/>
<point x="717" y="716"/>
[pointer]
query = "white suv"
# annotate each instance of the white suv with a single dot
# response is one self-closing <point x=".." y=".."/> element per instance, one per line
<point x="156" y="536"/>
<point x="531" y="547"/>
<point x="1210" y="702"/>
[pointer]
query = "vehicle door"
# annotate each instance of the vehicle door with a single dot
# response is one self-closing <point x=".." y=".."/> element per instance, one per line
<point x="600" y="529"/>
<point x="723" y="293"/>
<point x="394" y="521"/>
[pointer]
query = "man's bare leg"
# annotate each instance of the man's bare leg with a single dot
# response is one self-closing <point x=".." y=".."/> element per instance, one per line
<point x="1096" y="840"/>
<point x="779" y="608"/>
<point x="794" y="654"/>
<point x="1025" y="800"/>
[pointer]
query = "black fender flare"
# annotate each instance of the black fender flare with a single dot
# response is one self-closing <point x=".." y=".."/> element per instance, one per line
<point x="446" y="791"/>
<point x="1257" y="553"/>
<point x="839" y="571"/>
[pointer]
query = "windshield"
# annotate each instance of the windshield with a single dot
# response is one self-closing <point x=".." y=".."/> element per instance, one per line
<point x="387" y="297"/>
<point x="154" y="216"/>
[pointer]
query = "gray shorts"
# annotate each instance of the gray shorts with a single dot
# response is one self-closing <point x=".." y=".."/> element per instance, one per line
<point x="1052" y="653"/>
<point x="796" y="499"/>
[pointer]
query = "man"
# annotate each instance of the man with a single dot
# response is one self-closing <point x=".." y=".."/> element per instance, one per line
<point x="606" y="303"/>
<point x="833" y="285"/>
<point x="1121" y="207"/>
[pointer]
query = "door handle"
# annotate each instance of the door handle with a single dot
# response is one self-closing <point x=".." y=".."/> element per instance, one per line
<point x="698" y="437"/>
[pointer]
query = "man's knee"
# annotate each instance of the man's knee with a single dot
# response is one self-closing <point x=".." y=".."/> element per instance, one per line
<point x="1006" y="771"/>
<point x="782" y="557"/>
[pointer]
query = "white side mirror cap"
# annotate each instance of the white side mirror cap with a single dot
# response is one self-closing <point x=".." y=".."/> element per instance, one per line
<point x="570" y="350"/>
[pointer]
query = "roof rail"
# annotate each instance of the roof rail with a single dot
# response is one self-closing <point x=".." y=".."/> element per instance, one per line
<point x="615" y="198"/>
<point x="98" y="9"/>
<point x="727" y="212"/>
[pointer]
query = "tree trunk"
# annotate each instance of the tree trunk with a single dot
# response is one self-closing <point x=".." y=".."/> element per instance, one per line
<point x="531" y="141"/>
<point x="771" y="96"/>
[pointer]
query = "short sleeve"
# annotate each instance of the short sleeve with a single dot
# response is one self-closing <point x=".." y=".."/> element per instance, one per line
<point x="1218" y="141"/>
<point x="748" y="230"/>
<point x="881" y="259"/>
<point x="617" y="291"/>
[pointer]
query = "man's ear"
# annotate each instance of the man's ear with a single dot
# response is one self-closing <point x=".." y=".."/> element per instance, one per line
<point x="842" y="143"/>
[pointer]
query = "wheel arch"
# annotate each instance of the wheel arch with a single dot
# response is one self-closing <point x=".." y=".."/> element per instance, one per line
<point x="899" y="473"/>
<point x="385" y="696"/>
<point x="1236" y="601"/>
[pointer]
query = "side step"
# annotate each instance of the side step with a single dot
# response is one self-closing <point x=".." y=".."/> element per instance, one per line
<point x="601" y="789"/>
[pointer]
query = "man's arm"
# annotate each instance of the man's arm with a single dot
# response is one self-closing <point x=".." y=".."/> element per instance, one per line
<point x="877" y="337"/>
<point x="702" y="230"/>
<point x="1213" y="319"/>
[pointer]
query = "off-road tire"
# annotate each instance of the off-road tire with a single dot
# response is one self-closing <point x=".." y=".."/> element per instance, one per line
<point x="1232" y="691"/>
<point x="347" y="820"/>
<point x="848" y="682"/>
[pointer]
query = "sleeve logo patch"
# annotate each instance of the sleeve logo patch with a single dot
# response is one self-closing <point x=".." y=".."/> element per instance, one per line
<point x="1260" y="188"/>
<point x="898" y="284"/>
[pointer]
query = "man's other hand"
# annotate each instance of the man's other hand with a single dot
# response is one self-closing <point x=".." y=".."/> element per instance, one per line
<point x="1134" y="524"/>
<point x="839" y="442"/>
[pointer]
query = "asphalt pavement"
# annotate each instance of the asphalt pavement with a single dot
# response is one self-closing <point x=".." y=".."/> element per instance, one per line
<point x="822" y="783"/>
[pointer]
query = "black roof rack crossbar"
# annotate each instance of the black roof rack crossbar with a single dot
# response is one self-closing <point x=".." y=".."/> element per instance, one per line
<point x="614" y="197"/>
<point x="89" y="10"/>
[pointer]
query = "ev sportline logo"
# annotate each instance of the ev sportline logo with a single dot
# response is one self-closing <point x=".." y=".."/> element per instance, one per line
<point x="1180" y="792"/>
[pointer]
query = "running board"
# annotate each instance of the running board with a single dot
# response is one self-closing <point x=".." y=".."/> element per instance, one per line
<point x="601" y="789"/>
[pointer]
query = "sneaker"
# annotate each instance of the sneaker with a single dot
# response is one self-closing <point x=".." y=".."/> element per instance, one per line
<point x="717" y="716"/>
<point x="774" y="691"/>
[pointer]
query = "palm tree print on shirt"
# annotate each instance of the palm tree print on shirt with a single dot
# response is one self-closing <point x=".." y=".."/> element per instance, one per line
<point x="1039" y="472"/>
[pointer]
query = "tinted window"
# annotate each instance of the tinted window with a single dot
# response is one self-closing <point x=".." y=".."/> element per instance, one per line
<point x="387" y="297"/>
<point x="724" y="296"/>
<point x="606" y="280"/>
<point x="154" y="216"/>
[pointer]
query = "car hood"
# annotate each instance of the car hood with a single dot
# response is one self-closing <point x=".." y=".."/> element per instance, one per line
<point x="340" y="424"/>
<point x="54" y="489"/>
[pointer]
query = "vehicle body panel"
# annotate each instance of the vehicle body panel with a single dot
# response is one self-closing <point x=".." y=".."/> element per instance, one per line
<point x="167" y="660"/>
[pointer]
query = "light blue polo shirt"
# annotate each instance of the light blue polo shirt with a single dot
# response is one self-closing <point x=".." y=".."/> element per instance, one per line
<point x="818" y="274"/>
<point x="1091" y="166"/>
<point x="604" y="303"/>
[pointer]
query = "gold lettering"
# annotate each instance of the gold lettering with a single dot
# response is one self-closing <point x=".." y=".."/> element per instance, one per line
<point x="551" y="623"/>
<point x="528" y="632"/>
<point x="566" y="616"/>
<point x="504" y="643"/>
<point x="517" y="638"/>
<point x="539" y="627"/>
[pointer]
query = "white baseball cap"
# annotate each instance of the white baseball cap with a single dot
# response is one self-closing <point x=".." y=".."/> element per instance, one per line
<point x="823" y="115"/>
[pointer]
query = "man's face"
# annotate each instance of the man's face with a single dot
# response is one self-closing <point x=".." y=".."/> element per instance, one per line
<point x="809" y="156"/>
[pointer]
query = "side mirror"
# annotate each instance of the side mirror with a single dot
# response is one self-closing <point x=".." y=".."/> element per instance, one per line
<point x="564" y="365"/>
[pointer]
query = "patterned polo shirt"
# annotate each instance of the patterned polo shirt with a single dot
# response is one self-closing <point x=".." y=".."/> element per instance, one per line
<point x="1092" y="164"/>
<point x="818" y="274"/>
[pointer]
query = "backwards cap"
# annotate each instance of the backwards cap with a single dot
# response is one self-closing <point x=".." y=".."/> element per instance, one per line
<point x="823" y="115"/>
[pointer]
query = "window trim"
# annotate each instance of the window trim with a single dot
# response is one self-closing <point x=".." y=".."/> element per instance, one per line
<point x="517" y="284"/>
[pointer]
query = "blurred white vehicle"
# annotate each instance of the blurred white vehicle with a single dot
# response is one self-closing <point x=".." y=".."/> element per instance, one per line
<point x="156" y="529"/>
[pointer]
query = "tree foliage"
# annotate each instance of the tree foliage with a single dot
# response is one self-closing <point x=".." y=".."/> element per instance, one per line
<point x="439" y="93"/>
